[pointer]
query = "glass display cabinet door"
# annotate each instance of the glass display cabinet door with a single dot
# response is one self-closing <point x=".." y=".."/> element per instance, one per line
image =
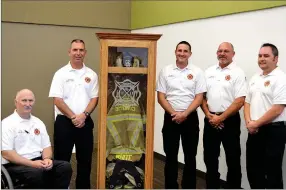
<point x="126" y="115"/>
<point x="126" y="119"/>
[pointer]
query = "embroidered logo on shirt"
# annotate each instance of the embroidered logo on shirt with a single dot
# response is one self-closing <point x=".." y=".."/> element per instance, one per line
<point x="267" y="83"/>
<point x="190" y="76"/>
<point x="87" y="79"/>
<point x="227" y="77"/>
<point x="37" y="131"/>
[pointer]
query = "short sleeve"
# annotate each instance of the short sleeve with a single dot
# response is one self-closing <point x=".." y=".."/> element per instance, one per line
<point x="201" y="85"/>
<point x="45" y="141"/>
<point x="57" y="89"/>
<point x="248" y="94"/>
<point x="161" y="82"/>
<point x="7" y="136"/>
<point x="95" y="87"/>
<point x="240" y="87"/>
<point x="279" y="91"/>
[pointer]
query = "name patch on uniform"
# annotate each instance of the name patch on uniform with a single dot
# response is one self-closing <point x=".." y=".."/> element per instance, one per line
<point x="123" y="157"/>
<point x="227" y="77"/>
<point x="37" y="131"/>
<point x="267" y="83"/>
<point x="69" y="80"/>
<point x="87" y="79"/>
<point x="190" y="76"/>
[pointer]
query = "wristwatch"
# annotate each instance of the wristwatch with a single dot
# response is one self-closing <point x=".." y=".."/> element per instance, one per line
<point x="86" y="113"/>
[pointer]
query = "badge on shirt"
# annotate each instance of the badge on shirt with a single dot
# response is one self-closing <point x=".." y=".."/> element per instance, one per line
<point x="37" y="131"/>
<point x="87" y="79"/>
<point x="190" y="76"/>
<point x="266" y="83"/>
<point x="227" y="77"/>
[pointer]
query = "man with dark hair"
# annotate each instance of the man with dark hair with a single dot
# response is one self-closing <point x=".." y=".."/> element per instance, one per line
<point x="265" y="117"/>
<point x="180" y="88"/>
<point x="273" y="48"/>
<point x="185" y="43"/>
<point x="226" y="91"/>
<point x="75" y="92"/>
<point x="26" y="148"/>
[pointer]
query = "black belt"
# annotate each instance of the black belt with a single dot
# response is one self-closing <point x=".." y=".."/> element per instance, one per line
<point x="216" y="113"/>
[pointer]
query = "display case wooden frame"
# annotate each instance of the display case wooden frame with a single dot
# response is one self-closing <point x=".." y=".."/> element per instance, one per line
<point x="148" y="41"/>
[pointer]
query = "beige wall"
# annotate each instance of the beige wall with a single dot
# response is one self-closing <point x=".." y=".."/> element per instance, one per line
<point x="32" y="53"/>
<point x="35" y="39"/>
<point x="103" y="14"/>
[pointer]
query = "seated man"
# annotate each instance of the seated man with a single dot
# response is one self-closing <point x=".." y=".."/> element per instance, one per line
<point x="26" y="148"/>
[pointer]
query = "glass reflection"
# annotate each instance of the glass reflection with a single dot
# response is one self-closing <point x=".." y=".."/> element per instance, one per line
<point x="127" y="57"/>
<point x="126" y="130"/>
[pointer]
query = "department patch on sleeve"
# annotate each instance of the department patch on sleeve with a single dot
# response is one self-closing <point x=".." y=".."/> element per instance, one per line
<point x="190" y="76"/>
<point x="37" y="131"/>
<point x="87" y="79"/>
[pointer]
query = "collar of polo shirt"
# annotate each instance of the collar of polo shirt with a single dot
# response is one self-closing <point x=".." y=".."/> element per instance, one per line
<point x="230" y="66"/>
<point x="72" y="69"/>
<point x="273" y="73"/>
<point x="187" y="67"/>
<point x="20" y="119"/>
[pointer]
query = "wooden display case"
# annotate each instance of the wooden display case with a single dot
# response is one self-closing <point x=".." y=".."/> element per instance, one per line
<point x="126" y="109"/>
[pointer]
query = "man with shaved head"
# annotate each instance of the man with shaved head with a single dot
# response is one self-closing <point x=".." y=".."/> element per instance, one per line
<point x="26" y="148"/>
<point x="226" y="91"/>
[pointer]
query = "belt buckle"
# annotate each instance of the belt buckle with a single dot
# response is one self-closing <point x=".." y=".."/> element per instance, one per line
<point x="217" y="113"/>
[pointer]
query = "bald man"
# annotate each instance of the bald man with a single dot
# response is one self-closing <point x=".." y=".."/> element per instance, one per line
<point x="226" y="91"/>
<point x="26" y="148"/>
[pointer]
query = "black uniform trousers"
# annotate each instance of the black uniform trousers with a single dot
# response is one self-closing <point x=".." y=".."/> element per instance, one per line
<point x="264" y="156"/>
<point x="37" y="178"/>
<point x="229" y="136"/>
<point x="189" y="133"/>
<point x="65" y="136"/>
